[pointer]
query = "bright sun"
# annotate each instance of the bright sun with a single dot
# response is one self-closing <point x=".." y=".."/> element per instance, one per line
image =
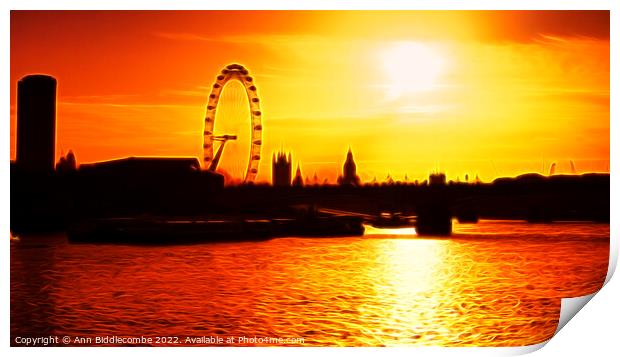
<point x="411" y="67"/>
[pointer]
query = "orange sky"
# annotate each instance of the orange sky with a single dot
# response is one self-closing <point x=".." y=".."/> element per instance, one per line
<point x="488" y="93"/>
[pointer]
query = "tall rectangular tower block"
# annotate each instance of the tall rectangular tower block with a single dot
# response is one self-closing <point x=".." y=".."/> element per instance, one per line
<point x="36" y="123"/>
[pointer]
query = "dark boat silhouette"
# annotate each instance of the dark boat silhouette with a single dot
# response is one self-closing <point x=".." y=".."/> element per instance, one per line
<point x="163" y="231"/>
<point x="392" y="220"/>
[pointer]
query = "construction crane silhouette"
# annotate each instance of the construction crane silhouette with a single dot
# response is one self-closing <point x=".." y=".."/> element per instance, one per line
<point x="223" y="139"/>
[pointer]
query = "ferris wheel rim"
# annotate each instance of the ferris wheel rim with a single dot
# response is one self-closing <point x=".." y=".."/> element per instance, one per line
<point x="239" y="73"/>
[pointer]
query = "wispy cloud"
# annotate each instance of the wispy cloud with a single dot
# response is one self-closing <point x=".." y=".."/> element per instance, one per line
<point x="198" y="91"/>
<point x="184" y="36"/>
<point x="100" y="97"/>
<point x="127" y="105"/>
<point x="261" y="39"/>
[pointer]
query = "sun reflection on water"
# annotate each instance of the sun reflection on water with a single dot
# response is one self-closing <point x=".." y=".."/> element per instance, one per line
<point x="372" y="231"/>
<point x="409" y="284"/>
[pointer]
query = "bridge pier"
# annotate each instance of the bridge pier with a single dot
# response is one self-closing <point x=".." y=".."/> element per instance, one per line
<point x="434" y="219"/>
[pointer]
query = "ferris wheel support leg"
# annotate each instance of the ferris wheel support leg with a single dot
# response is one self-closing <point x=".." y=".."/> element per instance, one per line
<point x="216" y="159"/>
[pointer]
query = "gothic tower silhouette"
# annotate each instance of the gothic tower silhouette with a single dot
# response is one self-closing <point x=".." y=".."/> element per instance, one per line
<point x="349" y="171"/>
<point x="298" y="181"/>
<point x="281" y="169"/>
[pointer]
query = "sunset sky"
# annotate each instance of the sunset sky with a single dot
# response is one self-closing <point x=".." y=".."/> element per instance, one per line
<point x="490" y="93"/>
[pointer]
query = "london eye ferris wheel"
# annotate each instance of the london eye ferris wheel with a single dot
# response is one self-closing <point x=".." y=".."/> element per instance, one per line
<point x="233" y="72"/>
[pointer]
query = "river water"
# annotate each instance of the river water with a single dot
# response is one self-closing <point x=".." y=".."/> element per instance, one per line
<point x="490" y="284"/>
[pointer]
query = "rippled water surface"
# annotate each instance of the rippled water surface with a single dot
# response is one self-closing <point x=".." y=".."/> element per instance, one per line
<point x="490" y="284"/>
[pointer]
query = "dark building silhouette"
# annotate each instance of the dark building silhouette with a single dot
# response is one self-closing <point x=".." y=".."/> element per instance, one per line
<point x="349" y="175"/>
<point x="134" y="186"/>
<point x="36" y="123"/>
<point x="437" y="179"/>
<point x="298" y="181"/>
<point x="281" y="169"/>
<point x="66" y="163"/>
<point x="151" y="168"/>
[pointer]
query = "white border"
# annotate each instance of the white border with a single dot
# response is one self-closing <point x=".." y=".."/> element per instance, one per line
<point x="311" y="4"/>
<point x="593" y="331"/>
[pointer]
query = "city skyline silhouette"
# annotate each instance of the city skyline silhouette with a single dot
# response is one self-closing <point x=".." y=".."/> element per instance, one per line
<point x="394" y="123"/>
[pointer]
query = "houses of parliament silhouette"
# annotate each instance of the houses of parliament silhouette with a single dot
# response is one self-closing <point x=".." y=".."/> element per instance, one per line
<point x="281" y="172"/>
<point x="49" y="197"/>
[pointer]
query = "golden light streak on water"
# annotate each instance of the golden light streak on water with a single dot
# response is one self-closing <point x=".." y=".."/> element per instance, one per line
<point x="372" y="231"/>
<point x="408" y="272"/>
